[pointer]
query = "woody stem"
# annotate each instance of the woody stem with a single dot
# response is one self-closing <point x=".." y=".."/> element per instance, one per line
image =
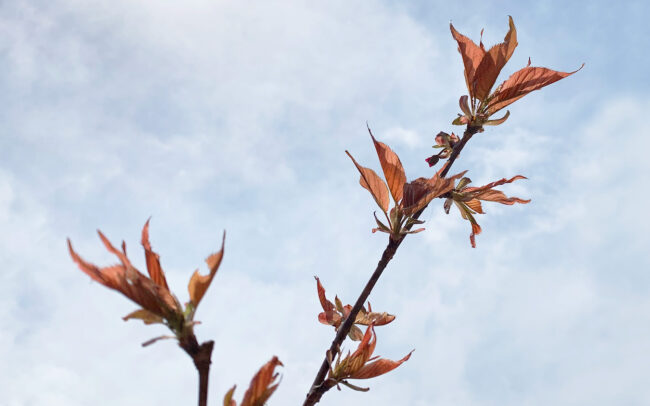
<point x="201" y="355"/>
<point x="320" y="385"/>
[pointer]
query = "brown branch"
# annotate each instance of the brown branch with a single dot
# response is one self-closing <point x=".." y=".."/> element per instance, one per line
<point x="320" y="385"/>
<point x="201" y="355"/>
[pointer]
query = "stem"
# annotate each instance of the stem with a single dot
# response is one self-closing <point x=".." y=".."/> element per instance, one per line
<point x="320" y="385"/>
<point x="201" y="355"/>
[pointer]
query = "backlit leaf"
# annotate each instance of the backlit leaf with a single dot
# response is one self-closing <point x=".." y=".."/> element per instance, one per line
<point x="263" y="384"/>
<point x="153" y="259"/>
<point x="199" y="284"/>
<point x="379" y="367"/>
<point x="392" y="167"/>
<point x="523" y="82"/>
<point x="374" y="184"/>
<point x="493" y="61"/>
<point x="472" y="55"/>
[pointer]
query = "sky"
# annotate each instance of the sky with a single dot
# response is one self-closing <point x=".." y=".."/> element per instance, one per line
<point x="223" y="115"/>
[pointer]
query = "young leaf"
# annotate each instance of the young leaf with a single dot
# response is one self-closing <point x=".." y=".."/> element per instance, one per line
<point x="523" y="82"/>
<point x="153" y="259"/>
<point x="472" y="56"/>
<point x="145" y="315"/>
<point x="373" y="183"/>
<point x="263" y="384"/>
<point x="493" y="61"/>
<point x="392" y="167"/>
<point x="199" y="284"/>
<point x="379" y="367"/>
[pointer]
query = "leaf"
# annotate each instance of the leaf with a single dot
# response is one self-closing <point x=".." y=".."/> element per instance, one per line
<point x="392" y="167"/>
<point x="331" y="318"/>
<point x="153" y="259"/>
<point x="373" y="183"/>
<point x="262" y="385"/>
<point x="376" y="319"/>
<point x="476" y="230"/>
<point x="523" y="82"/>
<point x="472" y="56"/>
<point x="156" y="339"/>
<point x="228" y="400"/>
<point x="475" y="205"/>
<point x="379" y="367"/>
<point x="199" y="284"/>
<point x="325" y="304"/>
<point x="463" y="102"/>
<point x="355" y="333"/>
<point x="498" y="120"/>
<point x="130" y="282"/>
<point x="419" y="193"/>
<point x="488" y="193"/>
<point x="493" y="61"/>
<point x="145" y="315"/>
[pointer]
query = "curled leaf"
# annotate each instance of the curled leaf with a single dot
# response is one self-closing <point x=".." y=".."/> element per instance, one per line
<point x="199" y="284"/>
<point x="145" y="315"/>
<point x="498" y="120"/>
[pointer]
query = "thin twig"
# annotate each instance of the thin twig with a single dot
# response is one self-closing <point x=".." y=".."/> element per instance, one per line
<point x="320" y="385"/>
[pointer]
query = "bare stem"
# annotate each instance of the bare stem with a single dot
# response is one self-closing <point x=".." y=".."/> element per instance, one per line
<point x="201" y="355"/>
<point x="320" y="385"/>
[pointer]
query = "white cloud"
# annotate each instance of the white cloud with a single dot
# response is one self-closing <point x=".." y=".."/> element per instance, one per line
<point x="212" y="115"/>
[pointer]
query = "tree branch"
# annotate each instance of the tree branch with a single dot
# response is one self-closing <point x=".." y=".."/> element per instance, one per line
<point x="201" y="355"/>
<point x="320" y="385"/>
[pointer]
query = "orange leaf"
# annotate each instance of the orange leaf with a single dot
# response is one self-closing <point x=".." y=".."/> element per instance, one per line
<point x="262" y="385"/>
<point x="153" y="259"/>
<point x="472" y="56"/>
<point x="130" y="282"/>
<point x="199" y="284"/>
<point x="325" y="304"/>
<point x="379" y="367"/>
<point x="488" y="193"/>
<point x="493" y="61"/>
<point x="373" y="183"/>
<point x="475" y="205"/>
<point x="392" y="167"/>
<point x="376" y="319"/>
<point x="523" y="82"/>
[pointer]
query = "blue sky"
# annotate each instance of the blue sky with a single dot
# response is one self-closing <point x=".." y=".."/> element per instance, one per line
<point x="213" y="115"/>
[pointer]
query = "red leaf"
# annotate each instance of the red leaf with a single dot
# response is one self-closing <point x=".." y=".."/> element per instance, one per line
<point x="130" y="282"/>
<point x="373" y="183"/>
<point x="523" y="82"/>
<point x="392" y="167"/>
<point x="472" y="56"/>
<point x="493" y="61"/>
<point x="379" y="367"/>
<point x="153" y="259"/>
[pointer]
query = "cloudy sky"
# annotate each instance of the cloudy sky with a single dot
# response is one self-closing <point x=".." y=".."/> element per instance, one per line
<point x="213" y="115"/>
